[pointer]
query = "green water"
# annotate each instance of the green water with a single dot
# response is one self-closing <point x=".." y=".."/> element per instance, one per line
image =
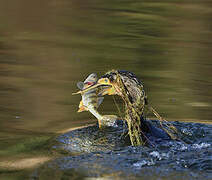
<point x="46" y="47"/>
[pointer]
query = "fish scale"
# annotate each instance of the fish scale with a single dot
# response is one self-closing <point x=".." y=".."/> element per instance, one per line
<point x="90" y="100"/>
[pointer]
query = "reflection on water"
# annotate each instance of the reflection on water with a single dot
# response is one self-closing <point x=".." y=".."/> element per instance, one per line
<point x="46" y="47"/>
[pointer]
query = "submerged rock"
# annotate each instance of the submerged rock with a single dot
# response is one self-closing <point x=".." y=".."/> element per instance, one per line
<point x="112" y="136"/>
<point x="101" y="156"/>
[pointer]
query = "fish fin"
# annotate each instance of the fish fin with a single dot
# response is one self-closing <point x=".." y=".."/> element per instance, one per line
<point x="92" y="77"/>
<point x="80" y="85"/>
<point x="82" y="108"/>
<point x="99" y="101"/>
<point x="99" y="123"/>
<point x="80" y="104"/>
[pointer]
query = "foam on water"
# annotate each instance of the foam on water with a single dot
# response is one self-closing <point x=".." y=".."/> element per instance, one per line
<point x="201" y="145"/>
<point x="159" y="156"/>
<point x="142" y="163"/>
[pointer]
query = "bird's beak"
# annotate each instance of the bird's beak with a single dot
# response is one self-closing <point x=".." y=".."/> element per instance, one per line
<point x="105" y="82"/>
<point x="109" y="87"/>
<point x="87" y="89"/>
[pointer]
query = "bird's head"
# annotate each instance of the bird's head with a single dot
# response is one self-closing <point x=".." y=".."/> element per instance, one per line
<point x="106" y="86"/>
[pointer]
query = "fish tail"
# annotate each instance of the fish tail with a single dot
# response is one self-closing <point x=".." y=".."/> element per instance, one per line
<point x="97" y="115"/>
<point x="81" y="107"/>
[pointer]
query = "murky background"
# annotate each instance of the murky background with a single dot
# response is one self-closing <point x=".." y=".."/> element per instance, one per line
<point x="46" y="47"/>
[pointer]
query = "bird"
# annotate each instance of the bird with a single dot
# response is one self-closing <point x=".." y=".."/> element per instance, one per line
<point x="125" y="84"/>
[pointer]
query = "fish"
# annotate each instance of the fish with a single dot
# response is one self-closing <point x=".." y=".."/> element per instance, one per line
<point x="91" y="100"/>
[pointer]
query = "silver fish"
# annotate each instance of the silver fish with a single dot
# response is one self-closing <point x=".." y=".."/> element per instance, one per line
<point x="90" y="99"/>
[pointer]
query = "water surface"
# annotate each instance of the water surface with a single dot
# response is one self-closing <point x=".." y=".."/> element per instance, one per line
<point x="46" y="47"/>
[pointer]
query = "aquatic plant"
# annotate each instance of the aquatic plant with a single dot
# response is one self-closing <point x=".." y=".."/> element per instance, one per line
<point x="133" y="111"/>
<point x="132" y="92"/>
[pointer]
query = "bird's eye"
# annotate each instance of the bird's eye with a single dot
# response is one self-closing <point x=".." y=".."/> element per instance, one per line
<point x="106" y="80"/>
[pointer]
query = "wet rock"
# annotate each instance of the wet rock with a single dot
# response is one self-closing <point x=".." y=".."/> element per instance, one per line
<point x="114" y="159"/>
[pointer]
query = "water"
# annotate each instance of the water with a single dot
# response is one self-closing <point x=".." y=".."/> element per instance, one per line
<point x="46" y="47"/>
<point x="94" y="153"/>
